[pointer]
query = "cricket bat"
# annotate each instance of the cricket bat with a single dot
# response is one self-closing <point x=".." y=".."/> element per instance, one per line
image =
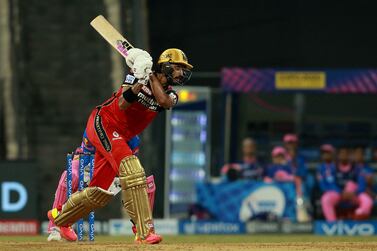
<point x="112" y="36"/>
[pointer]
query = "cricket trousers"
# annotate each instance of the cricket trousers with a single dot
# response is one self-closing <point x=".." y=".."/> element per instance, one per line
<point x="111" y="148"/>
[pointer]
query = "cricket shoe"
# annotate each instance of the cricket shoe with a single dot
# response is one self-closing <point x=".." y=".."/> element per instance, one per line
<point x="152" y="238"/>
<point x="66" y="232"/>
<point x="134" y="229"/>
<point x="54" y="235"/>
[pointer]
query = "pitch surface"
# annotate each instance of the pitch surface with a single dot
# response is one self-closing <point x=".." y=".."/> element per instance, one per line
<point x="199" y="242"/>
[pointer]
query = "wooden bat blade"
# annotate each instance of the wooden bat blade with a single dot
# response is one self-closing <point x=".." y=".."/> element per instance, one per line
<point x="112" y="36"/>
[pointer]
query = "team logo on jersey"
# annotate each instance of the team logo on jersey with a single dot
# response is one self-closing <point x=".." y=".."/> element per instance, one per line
<point x="116" y="136"/>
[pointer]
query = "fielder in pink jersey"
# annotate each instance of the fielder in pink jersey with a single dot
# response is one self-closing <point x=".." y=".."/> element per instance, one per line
<point x="126" y="114"/>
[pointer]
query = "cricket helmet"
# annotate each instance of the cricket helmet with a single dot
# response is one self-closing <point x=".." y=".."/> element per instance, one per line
<point x="174" y="56"/>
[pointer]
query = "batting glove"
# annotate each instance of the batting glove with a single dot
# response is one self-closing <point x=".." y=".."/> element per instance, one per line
<point x="133" y="54"/>
<point x="142" y="68"/>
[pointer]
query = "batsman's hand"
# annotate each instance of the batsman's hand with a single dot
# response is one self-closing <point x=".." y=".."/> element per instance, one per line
<point x="133" y="54"/>
<point x="140" y="63"/>
<point x="142" y="68"/>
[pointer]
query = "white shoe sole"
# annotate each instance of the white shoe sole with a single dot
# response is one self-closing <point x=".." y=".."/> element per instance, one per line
<point x="54" y="237"/>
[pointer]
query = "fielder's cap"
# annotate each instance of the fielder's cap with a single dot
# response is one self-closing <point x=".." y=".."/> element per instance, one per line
<point x="327" y="148"/>
<point x="290" y="138"/>
<point x="278" y="150"/>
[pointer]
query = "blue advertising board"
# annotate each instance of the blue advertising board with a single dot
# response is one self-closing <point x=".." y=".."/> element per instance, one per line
<point x="211" y="227"/>
<point x="350" y="228"/>
<point x="246" y="200"/>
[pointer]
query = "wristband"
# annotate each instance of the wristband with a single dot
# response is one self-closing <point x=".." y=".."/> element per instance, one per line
<point x="129" y="95"/>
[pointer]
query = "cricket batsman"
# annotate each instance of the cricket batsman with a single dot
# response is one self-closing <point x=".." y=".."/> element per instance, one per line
<point x="126" y="114"/>
<point x="57" y="233"/>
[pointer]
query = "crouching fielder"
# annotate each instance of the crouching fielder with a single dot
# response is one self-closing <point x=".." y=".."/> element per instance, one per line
<point x="126" y="114"/>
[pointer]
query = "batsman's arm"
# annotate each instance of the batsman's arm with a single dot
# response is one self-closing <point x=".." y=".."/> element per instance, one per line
<point x="129" y="94"/>
<point x="162" y="98"/>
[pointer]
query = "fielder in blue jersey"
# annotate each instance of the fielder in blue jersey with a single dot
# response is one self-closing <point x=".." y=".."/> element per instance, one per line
<point x="341" y="181"/>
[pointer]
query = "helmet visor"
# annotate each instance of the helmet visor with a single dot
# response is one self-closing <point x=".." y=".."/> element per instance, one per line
<point x="186" y="75"/>
<point x="177" y="74"/>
